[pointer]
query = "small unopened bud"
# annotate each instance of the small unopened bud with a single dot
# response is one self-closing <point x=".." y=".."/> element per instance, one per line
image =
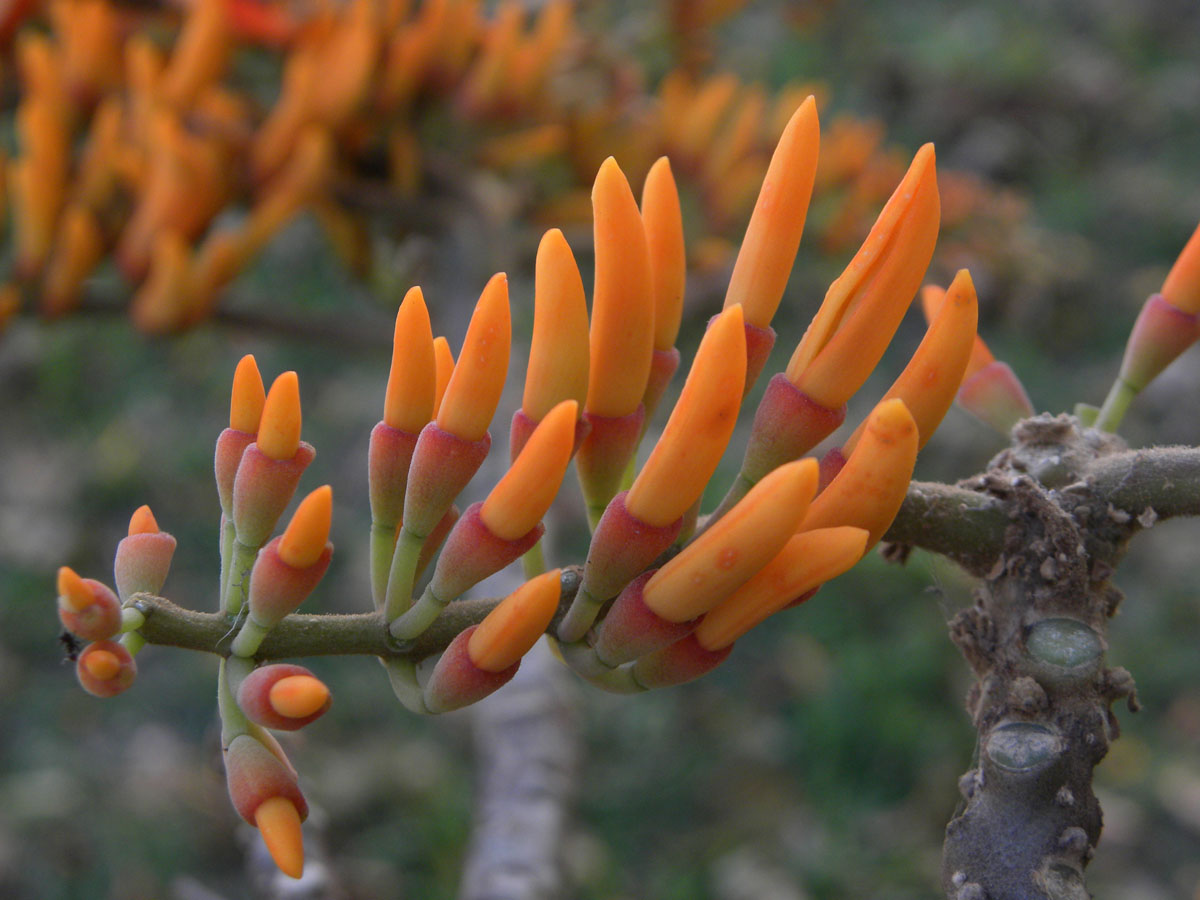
<point x="105" y="669"/>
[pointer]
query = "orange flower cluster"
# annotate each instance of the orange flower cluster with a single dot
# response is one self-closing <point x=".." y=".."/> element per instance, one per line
<point x="159" y="158"/>
<point x="787" y="526"/>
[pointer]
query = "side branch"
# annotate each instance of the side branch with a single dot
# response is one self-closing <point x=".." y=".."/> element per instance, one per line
<point x="1163" y="479"/>
<point x="965" y="525"/>
<point x="300" y="635"/>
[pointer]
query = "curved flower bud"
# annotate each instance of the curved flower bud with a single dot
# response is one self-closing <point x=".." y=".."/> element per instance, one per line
<point x="933" y="375"/>
<point x="443" y="358"/>
<point x="283" y="696"/>
<point x="864" y="306"/>
<point x="86" y="607"/>
<point x="870" y="487"/>
<point x="558" y="352"/>
<point x="519" y="500"/>
<point x="663" y="222"/>
<point x="1182" y="285"/>
<point x="105" y="669"/>
<point x="768" y="250"/>
<point x="807" y="560"/>
<point x="736" y="546"/>
<point x="511" y="629"/>
<point x="622" y="331"/>
<point x="143" y="557"/>
<point x="696" y="434"/>
<point x="990" y="390"/>
<point x="456" y="681"/>
<point x="474" y="388"/>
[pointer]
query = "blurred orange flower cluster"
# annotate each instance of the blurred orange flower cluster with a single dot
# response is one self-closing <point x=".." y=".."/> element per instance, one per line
<point x="167" y="157"/>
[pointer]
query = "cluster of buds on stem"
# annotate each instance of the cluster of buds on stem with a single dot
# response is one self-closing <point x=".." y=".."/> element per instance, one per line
<point x="664" y="593"/>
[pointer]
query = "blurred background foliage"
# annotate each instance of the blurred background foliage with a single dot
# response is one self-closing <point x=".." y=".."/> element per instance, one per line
<point x="821" y="761"/>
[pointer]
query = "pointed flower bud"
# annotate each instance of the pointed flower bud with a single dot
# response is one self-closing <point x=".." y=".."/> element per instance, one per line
<point x="990" y="390"/>
<point x="807" y="560"/>
<point x="245" y="410"/>
<point x="412" y="380"/>
<point x="869" y="489"/>
<point x="663" y="222"/>
<point x="304" y="540"/>
<point x="773" y="235"/>
<point x="143" y="558"/>
<point x="279" y="426"/>
<point x="278" y="820"/>
<point x="738" y="545"/>
<point x="510" y="630"/>
<point x="1182" y="285"/>
<point x="86" y="607"/>
<point x="699" y="428"/>
<point x="932" y="377"/>
<point x="456" y="681"/>
<point x="105" y="669"/>
<point x="864" y="306"/>
<point x="283" y="696"/>
<point x="558" y="352"/>
<point x="443" y="358"/>
<point x="622" y="332"/>
<point x="477" y="381"/>
<point x="519" y="500"/>
<point x="259" y="781"/>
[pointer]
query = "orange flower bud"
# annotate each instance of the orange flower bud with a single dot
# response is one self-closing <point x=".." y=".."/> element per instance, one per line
<point x="307" y="533"/>
<point x="807" y="560"/>
<point x="932" y="297"/>
<point x="474" y="388"/>
<point x="933" y="375"/>
<point x="869" y="489"/>
<point x="279" y="823"/>
<point x="105" y="669"/>
<point x="668" y="260"/>
<point x="412" y="379"/>
<point x="247" y="397"/>
<point x="773" y="235"/>
<point x="443" y="358"/>
<point x="1182" y="285"/>
<point x="298" y="696"/>
<point x="864" y="306"/>
<point x="142" y="521"/>
<point x="558" y="352"/>
<point x="699" y="428"/>
<point x="279" y="427"/>
<point x="509" y="631"/>
<point x="739" y="544"/>
<point x="519" y="500"/>
<point x="622" y="333"/>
